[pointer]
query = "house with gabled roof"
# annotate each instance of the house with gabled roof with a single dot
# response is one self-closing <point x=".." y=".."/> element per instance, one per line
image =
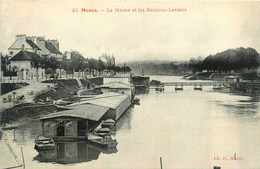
<point x="25" y="60"/>
<point x="50" y="48"/>
<point x="29" y="63"/>
<point x="23" y="43"/>
<point x="44" y="48"/>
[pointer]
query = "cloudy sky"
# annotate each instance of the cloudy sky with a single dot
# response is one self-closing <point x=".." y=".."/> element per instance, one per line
<point x="205" y="28"/>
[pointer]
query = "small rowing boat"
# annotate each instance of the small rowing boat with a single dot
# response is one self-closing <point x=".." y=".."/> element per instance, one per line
<point x="44" y="143"/>
<point x="105" y="142"/>
<point x="109" y="123"/>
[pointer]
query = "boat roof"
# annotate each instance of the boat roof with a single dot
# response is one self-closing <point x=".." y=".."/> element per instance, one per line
<point x="116" y="85"/>
<point x="111" y="100"/>
<point x="231" y="77"/>
<point x="84" y="111"/>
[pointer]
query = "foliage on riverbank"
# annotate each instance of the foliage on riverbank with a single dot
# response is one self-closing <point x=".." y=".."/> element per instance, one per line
<point x="232" y="59"/>
<point x="63" y="89"/>
<point x="8" y="87"/>
<point x="236" y="60"/>
<point x="25" y="112"/>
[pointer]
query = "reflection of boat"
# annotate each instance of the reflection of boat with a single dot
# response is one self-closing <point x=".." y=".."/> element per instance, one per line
<point x="70" y="152"/>
<point x="159" y="88"/>
<point x="103" y="149"/>
<point x="106" y="142"/>
<point x="44" y="143"/>
<point x="109" y="123"/>
<point x="136" y="101"/>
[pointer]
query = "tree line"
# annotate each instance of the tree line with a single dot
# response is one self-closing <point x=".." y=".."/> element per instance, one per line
<point x="232" y="59"/>
<point x="76" y="63"/>
<point x="79" y="63"/>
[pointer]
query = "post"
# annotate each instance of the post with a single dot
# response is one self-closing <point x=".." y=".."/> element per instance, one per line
<point x="215" y="167"/>
<point x="161" y="162"/>
<point x="23" y="158"/>
<point x="14" y="98"/>
<point x="14" y="135"/>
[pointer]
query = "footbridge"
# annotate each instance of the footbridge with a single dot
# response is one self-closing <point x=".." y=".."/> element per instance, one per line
<point x="193" y="83"/>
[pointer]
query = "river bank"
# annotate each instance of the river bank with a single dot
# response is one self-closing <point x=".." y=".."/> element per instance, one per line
<point x="41" y="102"/>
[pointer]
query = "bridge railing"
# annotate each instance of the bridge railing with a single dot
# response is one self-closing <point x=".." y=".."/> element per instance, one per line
<point x="192" y="83"/>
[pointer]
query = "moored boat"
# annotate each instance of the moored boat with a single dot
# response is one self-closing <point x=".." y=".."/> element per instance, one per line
<point x="105" y="142"/>
<point x="136" y="101"/>
<point x="44" y="143"/>
<point x="103" y="131"/>
<point x="109" y="123"/>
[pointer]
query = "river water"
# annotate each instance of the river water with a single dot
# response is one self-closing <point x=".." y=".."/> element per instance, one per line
<point x="188" y="129"/>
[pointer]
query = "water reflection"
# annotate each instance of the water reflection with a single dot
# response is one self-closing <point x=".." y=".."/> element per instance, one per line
<point x="125" y="121"/>
<point x="26" y="133"/>
<point x="141" y="90"/>
<point x="241" y="106"/>
<point x="72" y="152"/>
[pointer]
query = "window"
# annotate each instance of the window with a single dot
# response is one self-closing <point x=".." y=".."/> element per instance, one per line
<point x="11" y="53"/>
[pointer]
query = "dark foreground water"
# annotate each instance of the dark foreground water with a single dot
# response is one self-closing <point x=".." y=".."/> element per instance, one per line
<point x="188" y="129"/>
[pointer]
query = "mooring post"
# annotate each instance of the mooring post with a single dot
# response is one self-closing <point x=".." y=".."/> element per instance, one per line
<point x="23" y="158"/>
<point x="215" y="167"/>
<point x="14" y="134"/>
<point x="161" y="162"/>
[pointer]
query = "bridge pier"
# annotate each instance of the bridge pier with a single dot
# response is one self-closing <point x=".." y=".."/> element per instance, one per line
<point x="215" y="87"/>
<point x="178" y="88"/>
<point x="197" y="88"/>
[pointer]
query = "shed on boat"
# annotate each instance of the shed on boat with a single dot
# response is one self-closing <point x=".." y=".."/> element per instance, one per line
<point x="140" y="80"/>
<point x="118" y="103"/>
<point x="118" y="87"/>
<point x="73" y="123"/>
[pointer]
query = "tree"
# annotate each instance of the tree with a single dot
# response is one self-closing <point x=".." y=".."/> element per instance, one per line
<point x="3" y="63"/>
<point x="37" y="62"/>
<point x="232" y="59"/>
<point x="51" y="64"/>
<point x="127" y="69"/>
<point x="196" y="64"/>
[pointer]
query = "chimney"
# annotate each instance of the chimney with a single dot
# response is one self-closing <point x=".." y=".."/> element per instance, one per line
<point x="68" y="55"/>
<point x="32" y="38"/>
<point x="40" y="38"/>
<point x="22" y="36"/>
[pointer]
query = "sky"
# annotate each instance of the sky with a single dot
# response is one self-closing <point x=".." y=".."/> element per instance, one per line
<point x="205" y="28"/>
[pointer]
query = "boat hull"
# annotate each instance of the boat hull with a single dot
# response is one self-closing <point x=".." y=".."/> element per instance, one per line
<point x="110" y="144"/>
<point x="44" y="147"/>
<point x="197" y="88"/>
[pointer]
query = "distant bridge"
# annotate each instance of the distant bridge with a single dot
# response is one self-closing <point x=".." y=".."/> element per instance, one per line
<point x="192" y="83"/>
